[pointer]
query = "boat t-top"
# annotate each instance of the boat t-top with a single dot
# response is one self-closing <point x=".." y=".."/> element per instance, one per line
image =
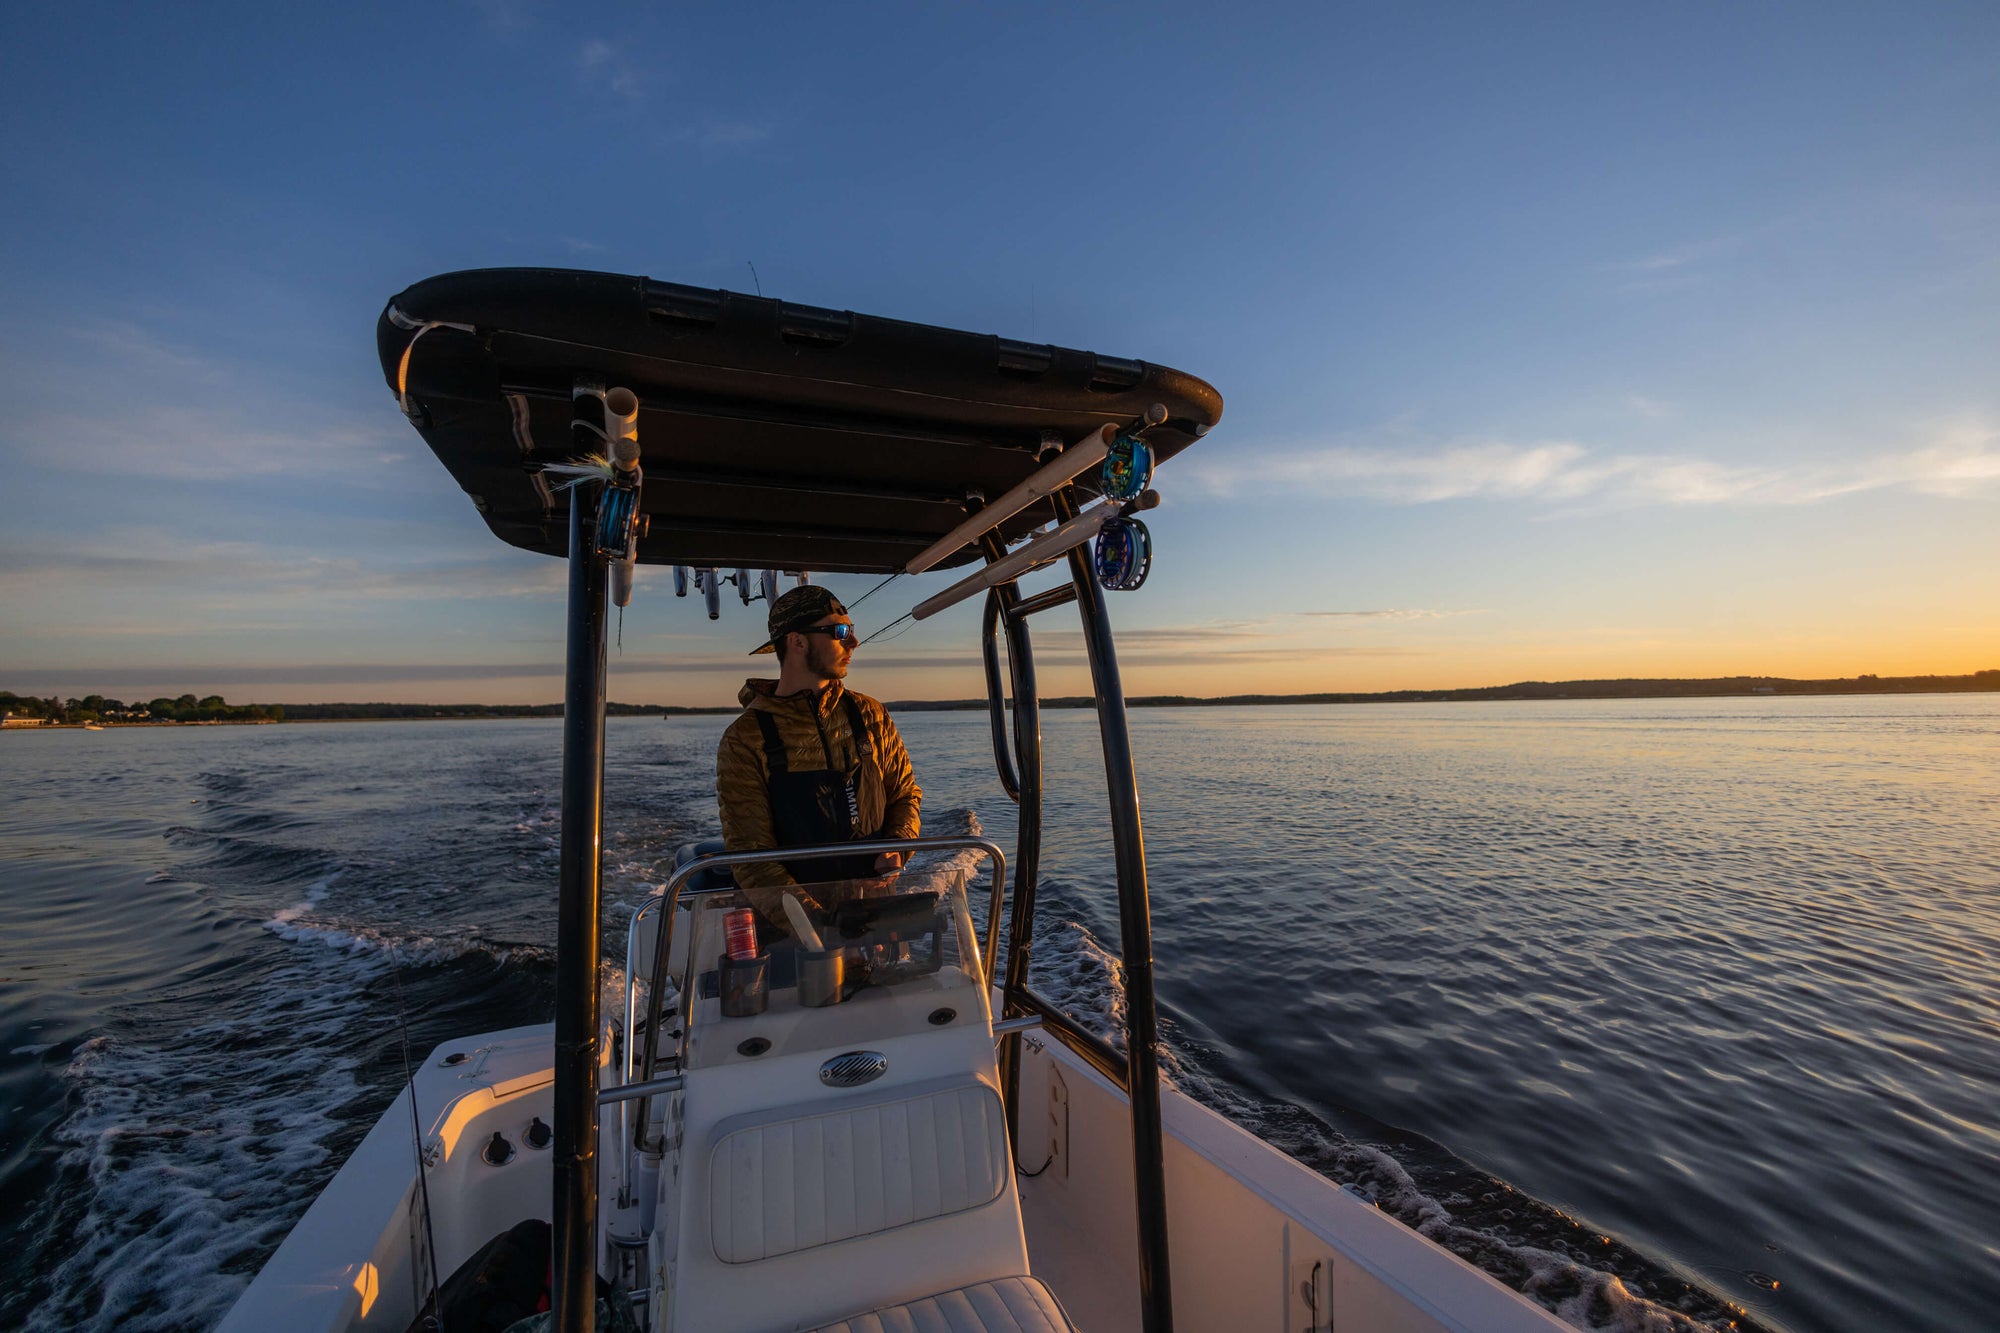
<point x="872" y="1122"/>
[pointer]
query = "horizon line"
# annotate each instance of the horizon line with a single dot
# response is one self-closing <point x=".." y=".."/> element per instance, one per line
<point x="1868" y="681"/>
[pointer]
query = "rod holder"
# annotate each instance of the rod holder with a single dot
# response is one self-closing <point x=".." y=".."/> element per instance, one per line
<point x="1050" y="545"/>
<point x="621" y="428"/>
<point x="1066" y="467"/>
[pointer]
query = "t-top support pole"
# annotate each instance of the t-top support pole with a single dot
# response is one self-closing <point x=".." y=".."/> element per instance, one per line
<point x="574" y="1298"/>
<point x="1135" y="922"/>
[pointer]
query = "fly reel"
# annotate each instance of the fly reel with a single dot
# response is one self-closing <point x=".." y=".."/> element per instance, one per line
<point x="1124" y="554"/>
<point x="1128" y="468"/>
<point x="619" y="522"/>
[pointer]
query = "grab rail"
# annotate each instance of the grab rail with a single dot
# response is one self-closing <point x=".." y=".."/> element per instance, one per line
<point x="666" y="1083"/>
<point x="668" y="899"/>
<point x="989" y="651"/>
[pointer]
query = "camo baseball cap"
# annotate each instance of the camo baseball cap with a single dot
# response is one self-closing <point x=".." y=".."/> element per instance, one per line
<point x="797" y="609"/>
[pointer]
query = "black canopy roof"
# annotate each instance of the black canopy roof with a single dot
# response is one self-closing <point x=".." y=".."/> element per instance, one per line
<point x="773" y="436"/>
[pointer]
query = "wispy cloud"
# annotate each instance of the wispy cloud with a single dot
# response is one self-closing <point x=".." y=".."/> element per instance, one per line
<point x="248" y="576"/>
<point x="603" y="65"/>
<point x="1961" y="460"/>
<point x="135" y="344"/>
<point x="605" y="68"/>
<point x="116" y="399"/>
<point x="1680" y="256"/>
<point x="1550" y="470"/>
<point x="212" y="443"/>
<point x="715" y="135"/>
<point x="1682" y="265"/>
<point x="1140" y="638"/>
<point x="1409" y="614"/>
<point x="1246" y="643"/>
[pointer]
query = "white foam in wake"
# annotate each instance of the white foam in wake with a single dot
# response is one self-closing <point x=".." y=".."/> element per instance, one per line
<point x="200" y="1152"/>
<point x="301" y="923"/>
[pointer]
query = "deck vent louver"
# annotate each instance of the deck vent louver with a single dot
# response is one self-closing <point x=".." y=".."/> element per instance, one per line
<point x="1025" y="359"/>
<point x="1113" y="373"/>
<point x="815" y="327"/>
<point x="851" y="1069"/>
<point x="672" y="303"/>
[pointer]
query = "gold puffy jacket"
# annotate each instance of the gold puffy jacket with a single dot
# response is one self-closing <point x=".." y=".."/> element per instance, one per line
<point x="815" y="729"/>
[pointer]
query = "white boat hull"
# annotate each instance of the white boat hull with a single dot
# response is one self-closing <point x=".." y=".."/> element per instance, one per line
<point x="1247" y="1223"/>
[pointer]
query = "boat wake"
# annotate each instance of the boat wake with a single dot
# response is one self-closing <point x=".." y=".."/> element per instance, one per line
<point x="305" y="922"/>
<point x="191" y="1151"/>
<point x="197" y="1152"/>
<point x="1590" y="1280"/>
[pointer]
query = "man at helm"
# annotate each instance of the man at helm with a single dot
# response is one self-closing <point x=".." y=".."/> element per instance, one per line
<point x="810" y="761"/>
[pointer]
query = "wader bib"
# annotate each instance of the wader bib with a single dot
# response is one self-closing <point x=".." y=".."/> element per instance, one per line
<point x="820" y="805"/>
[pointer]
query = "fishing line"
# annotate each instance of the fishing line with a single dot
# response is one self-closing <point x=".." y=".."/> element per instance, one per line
<point x="417" y="1141"/>
<point x="886" y="628"/>
<point x="877" y="588"/>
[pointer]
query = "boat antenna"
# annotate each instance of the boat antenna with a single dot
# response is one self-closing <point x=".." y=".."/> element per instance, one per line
<point x="436" y="1318"/>
<point x="753" y="278"/>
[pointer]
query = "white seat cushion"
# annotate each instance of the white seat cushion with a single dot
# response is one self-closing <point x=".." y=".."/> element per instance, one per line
<point x="789" y="1185"/>
<point x="1004" y="1305"/>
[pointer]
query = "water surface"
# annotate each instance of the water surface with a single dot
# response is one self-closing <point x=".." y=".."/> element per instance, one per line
<point x="1611" y="995"/>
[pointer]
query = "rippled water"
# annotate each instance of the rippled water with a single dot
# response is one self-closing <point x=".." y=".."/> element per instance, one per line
<point x="1713" y="986"/>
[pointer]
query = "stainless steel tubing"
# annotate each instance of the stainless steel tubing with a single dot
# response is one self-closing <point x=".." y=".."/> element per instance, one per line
<point x="1021" y="1024"/>
<point x="626" y="1056"/>
<point x="665" y="1083"/>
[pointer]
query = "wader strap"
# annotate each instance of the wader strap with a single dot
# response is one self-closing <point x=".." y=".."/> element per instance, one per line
<point x="864" y="744"/>
<point x="774" y="744"/>
<point x="776" y="752"/>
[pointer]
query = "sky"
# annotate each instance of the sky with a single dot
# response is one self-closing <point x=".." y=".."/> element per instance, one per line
<point x="1557" y="341"/>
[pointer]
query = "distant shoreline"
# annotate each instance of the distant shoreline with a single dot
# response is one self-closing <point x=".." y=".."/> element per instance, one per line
<point x="1717" y="687"/>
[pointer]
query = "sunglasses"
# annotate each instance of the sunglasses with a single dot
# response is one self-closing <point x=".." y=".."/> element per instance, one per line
<point x="838" y="633"/>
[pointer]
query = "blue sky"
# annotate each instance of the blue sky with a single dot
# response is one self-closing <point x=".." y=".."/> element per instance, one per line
<point x="1556" y="340"/>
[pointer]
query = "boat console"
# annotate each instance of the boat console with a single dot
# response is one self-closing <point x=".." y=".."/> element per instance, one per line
<point x="831" y="1136"/>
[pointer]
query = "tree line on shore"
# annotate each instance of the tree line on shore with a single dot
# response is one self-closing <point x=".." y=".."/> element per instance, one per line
<point x="187" y="708"/>
<point x="97" y="708"/>
<point x="391" y="712"/>
<point x="214" y="708"/>
<point x="1715" y="687"/>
